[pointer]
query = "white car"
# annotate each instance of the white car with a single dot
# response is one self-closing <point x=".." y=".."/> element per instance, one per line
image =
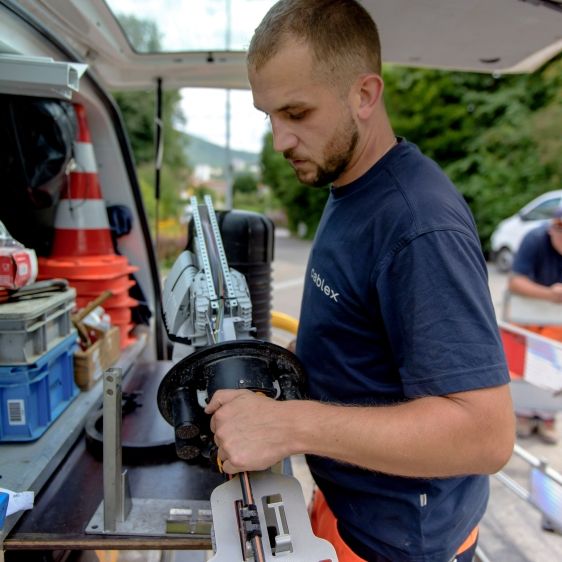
<point x="508" y="235"/>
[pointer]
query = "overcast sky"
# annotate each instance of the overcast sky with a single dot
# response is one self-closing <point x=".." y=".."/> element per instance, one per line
<point x="206" y="108"/>
<point x="201" y="25"/>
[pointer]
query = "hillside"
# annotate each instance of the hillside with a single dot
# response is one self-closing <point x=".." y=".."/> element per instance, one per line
<point x="200" y="151"/>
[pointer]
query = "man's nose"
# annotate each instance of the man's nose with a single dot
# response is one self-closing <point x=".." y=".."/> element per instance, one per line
<point x="283" y="137"/>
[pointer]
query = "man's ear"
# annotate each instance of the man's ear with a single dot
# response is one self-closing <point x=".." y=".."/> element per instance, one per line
<point x="368" y="94"/>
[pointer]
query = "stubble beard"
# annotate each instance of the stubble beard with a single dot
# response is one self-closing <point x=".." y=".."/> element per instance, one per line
<point x="338" y="153"/>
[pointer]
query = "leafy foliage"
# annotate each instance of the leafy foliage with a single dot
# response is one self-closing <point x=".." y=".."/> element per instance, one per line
<point x="139" y="113"/>
<point x="245" y="182"/>
<point x="143" y="35"/>
<point x="138" y="109"/>
<point x="172" y="182"/>
<point x="496" y="137"/>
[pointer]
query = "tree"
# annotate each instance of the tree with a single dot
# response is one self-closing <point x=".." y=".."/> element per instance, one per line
<point x="245" y="182"/>
<point x="143" y="35"/>
<point x="138" y="110"/>
<point x="493" y="135"/>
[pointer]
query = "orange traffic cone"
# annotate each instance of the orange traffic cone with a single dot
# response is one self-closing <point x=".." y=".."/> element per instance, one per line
<point x="81" y="224"/>
<point x="82" y="249"/>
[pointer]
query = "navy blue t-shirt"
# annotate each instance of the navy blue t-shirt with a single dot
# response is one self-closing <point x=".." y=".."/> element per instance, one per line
<point x="396" y="306"/>
<point x="537" y="259"/>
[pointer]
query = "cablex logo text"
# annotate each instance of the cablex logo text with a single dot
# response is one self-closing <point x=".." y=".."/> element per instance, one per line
<point x="326" y="289"/>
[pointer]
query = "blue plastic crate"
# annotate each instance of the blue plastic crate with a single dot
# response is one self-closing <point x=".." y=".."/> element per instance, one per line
<point x="4" y="499"/>
<point x="33" y="396"/>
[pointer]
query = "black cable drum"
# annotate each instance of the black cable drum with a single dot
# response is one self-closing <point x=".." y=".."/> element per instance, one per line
<point x="248" y="240"/>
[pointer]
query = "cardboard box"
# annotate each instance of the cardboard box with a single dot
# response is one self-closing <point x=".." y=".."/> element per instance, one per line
<point x="90" y="364"/>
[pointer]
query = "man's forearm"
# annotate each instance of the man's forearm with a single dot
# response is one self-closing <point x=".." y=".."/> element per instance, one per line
<point x="427" y="437"/>
<point x="522" y="285"/>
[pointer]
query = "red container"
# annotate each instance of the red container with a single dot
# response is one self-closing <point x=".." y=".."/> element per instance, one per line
<point x="515" y="351"/>
<point x="92" y="268"/>
<point x="119" y="299"/>
<point x="113" y="284"/>
<point x="119" y="316"/>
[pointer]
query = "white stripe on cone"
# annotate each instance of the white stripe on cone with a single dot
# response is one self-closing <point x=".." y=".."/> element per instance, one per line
<point x="85" y="158"/>
<point x="82" y="214"/>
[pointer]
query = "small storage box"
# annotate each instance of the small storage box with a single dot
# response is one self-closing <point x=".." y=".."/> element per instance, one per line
<point x="33" y="396"/>
<point x="29" y="328"/>
<point x="90" y="364"/>
<point x="4" y="500"/>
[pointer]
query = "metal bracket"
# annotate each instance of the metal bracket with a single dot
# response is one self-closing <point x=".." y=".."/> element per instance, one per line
<point x="545" y="492"/>
<point x="230" y="295"/>
<point x="281" y="509"/>
<point x="116" y="494"/>
<point x="119" y="513"/>
<point x="203" y="254"/>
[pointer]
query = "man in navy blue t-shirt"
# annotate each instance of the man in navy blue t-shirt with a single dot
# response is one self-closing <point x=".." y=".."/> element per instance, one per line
<point x="537" y="273"/>
<point x="537" y="267"/>
<point x="409" y="405"/>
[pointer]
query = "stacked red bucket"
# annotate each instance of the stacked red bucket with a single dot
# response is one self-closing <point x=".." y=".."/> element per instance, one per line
<point x="82" y="250"/>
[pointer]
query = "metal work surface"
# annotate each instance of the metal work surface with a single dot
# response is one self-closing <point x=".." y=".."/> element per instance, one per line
<point x="148" y="518"/>
<point x="72" y="496"/>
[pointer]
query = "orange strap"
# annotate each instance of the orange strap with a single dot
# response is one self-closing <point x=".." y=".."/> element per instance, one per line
<point x="324" y="525"/>
<point x="551" y="332"/>
<point x="470" y="540"/>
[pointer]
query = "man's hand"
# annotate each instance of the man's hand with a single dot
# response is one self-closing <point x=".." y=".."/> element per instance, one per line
<point x="249" y="429"/>
<point x="556" y="291"/>
<point x="522" y="285"/>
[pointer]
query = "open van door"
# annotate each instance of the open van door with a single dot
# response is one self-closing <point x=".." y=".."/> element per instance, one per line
<point x="504" y="36"/>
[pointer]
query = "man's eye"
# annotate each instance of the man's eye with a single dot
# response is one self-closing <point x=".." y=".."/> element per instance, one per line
<point x="297" y="116"/>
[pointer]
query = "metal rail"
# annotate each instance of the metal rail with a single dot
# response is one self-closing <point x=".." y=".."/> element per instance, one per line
<point x="220" y="248"/>
<point x="545" y="493"/>
<point x="203" y="255"/>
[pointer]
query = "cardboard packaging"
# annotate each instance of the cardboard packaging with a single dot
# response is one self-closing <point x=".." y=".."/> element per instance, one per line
<point x="90" y="364"/>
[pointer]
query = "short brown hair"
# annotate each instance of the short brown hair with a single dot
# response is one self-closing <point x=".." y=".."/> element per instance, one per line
<point x="341" y="34"/>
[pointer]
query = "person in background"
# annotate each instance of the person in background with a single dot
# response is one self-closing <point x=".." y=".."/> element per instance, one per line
<point x="409" y="406"/>
<point x="537" y="273"/>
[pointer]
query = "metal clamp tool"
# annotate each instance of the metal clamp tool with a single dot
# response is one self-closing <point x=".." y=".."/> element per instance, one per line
<point x="258" y="516"/>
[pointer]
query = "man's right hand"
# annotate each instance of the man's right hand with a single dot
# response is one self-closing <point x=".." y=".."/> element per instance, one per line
<point x="556" y="291"/>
